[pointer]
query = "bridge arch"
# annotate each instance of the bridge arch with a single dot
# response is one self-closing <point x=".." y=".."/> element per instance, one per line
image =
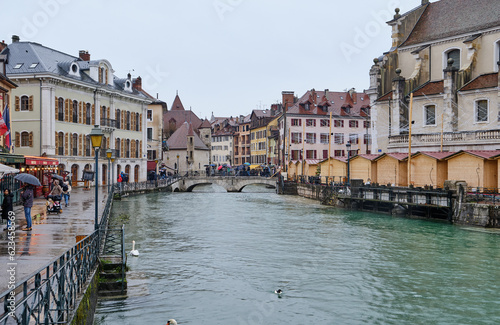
<point x="229" y="183"/>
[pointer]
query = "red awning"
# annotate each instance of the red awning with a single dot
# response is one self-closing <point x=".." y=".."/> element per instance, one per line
<point x="41" y="161"/>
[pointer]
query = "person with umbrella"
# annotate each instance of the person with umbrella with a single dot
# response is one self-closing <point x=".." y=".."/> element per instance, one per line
<point x="27" y="195"/>
<point x="7" y="207"/>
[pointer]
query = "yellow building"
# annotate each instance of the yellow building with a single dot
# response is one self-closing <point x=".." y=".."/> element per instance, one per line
<point x="364" y="167"/>
<point x="337" y="170"/>
<point x="392" y="169"/>
<point x="259" y="120"/>
<point x="429" y="168"/>
<point x="478" y="168"/>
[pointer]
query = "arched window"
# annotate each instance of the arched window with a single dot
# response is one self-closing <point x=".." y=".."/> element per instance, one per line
<point x="60" y="109"/>
<point x="136" y="173"/>
<point x="88" y="114"/>
<point x="60" y="149"/>
<point x="74" y="144"/>
<point x="117" y="148"/>
<point x="430" y="115"/>
<point x="455" y="55"/>
<point x="137" y="149"/>
<point x="88" y="145"/>
<point x="481" y="110"/>
<point x="25" y="139"/>
<point x="25" y="102"/>
<point x="127" y="148"/>
<point x="75" y="111"/>
<point x="137" y="121"/>
<point x="103" y="115"/>
<point x="117" y="118"/>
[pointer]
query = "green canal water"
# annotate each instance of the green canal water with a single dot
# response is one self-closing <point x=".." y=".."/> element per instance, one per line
<point x="211" y="257"/>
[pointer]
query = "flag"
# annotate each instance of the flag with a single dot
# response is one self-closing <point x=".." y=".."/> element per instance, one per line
<point x="6" y="119"/>
<point x="3" y="126"/>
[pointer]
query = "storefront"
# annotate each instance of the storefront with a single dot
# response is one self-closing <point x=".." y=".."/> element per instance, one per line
<point x="8" y="181"/>
<point x="42" y="168"/>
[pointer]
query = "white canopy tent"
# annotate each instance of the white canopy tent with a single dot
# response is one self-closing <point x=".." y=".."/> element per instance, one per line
<point x="4" y="169"/>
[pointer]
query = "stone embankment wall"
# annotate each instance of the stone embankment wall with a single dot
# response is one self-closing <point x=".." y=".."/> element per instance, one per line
<point x="474" y="214"/>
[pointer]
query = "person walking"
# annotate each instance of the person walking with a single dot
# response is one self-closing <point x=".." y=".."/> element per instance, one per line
<point x="7" y="207"/>
<point x="27" y="197"/>
<point x="120" y="180"/>
<point x="66" y="188"/>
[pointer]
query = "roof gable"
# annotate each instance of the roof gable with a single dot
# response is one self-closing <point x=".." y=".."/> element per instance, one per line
<point x="489" y="80"/>
<point x="177" y="104"/>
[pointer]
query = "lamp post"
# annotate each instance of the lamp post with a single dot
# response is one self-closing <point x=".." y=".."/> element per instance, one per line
<point x="109" y="153"/>
<point x="96" y="136"/>
<point x="112" y="171"/>
<point x="348" y="146"/>
<point x="177" y="165"/>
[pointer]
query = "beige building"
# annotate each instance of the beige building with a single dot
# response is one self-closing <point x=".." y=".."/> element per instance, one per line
<point x="446" y="53"/>
<point x="59" y="100"/>
<point x="187" y="152"/>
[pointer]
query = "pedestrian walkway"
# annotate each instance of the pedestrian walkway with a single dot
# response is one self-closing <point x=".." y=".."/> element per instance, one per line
<point x="51" y="235"/>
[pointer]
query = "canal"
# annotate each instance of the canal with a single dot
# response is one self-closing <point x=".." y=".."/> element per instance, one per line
<point x="210" y="257"/>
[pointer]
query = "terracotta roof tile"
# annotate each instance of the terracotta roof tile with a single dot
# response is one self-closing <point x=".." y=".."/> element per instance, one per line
<point x="387" y="96"/>
<point x="429" y="88"/>
<point x="178" y="140"/>
<point x="177" y="104"/>
<point x="489" y="80"/>
<point x="367" y="156"/>
<point x="336" y="100"/>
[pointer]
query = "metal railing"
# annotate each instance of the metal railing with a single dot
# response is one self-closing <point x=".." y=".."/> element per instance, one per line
<point x="482" y="195"/>
<point x="49" y="295"/>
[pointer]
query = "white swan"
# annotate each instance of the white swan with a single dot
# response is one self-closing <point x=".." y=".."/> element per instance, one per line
<point x="134" y="251"/>
<point x="171" y="322"/>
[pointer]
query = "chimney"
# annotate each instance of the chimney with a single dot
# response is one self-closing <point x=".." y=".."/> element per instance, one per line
<point x="84" y="55"/>
<point x="15" y="38"/>
<point x="138" y="84"/>
<point x="287" y="99"/>
<point x="2" y="45"/>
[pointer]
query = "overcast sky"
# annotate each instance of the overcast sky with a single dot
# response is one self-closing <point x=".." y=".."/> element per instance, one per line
<point x="223" y="56"/>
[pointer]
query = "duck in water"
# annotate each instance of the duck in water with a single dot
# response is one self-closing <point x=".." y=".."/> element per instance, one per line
<point x="171" y="322"/>
<point x="278" y="292"/>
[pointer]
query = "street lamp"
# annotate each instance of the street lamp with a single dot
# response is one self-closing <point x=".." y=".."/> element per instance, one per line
<point x="177" y="165"/>
<point x="348" y="146"/>
<point x="96" y="136"/>
<point x="113" y="171"/>
<point x="109" y="153"/>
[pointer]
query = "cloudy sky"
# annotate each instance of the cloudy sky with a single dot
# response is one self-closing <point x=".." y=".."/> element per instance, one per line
<point x="223" y="56"/>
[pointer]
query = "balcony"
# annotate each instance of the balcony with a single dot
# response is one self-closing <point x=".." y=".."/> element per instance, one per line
<point x="108" y="125"/>
<point x="460" y="140"/>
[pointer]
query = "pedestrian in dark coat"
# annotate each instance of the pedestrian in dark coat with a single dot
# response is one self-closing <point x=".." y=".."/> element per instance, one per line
<point x="7" y="206"/>
<point x="27" y="196"/>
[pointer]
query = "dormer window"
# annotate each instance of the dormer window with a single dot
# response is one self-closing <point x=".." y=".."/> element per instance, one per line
<point x="306" y="106"/>
<point x="73" y="69"/>
<point x="18" y="66"/>
<point x="33" y="65"/>
<point x="366" y="110"/>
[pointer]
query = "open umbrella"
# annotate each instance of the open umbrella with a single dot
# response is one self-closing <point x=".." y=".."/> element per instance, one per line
<point x="28" y="178"/>
<point x="247" y="164"/>
<point x="220" y="167"/>
<point x="57" y="177"/>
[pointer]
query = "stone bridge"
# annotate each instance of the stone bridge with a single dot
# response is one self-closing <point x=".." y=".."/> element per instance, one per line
<point x="229" y="183"/>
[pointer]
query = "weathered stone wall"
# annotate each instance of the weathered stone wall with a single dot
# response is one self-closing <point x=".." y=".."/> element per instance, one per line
<point x="474" y="214"/>
<point x="84" y="314"/>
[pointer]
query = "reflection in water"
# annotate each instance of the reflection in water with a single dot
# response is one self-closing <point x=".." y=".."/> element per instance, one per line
<point x="211" y="257"/>
<point x="25" y="244"/>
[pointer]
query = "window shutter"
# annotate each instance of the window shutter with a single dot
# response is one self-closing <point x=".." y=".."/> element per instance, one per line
<point x="80" y="147"/>
<point x="31" y="139"/>
<point x="122" y="124"/>
<point x="57" y="142"/>
<point x="17" y="103"/>
<point x="17" y="140"/>
<point x="66" y="109"/>
<point x="132" y="149"/>
<point x="101" y="114"/>
<point x="80" y="109"/>
<point x="122" y="146"/>
<point x="109" y="112"/>
<point x="106" y="76"/>
<point x="100" y="75"/>
<point x="140" y="149"/>
<point x="107" y="143"/>
<point x="140" y="122"/>
<point x="84" y="118"/>
<point x="30" y="103"/>
<point x="56" y="107"/>
<point x="66" y="144"/>
<point x="93" y="114"/>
